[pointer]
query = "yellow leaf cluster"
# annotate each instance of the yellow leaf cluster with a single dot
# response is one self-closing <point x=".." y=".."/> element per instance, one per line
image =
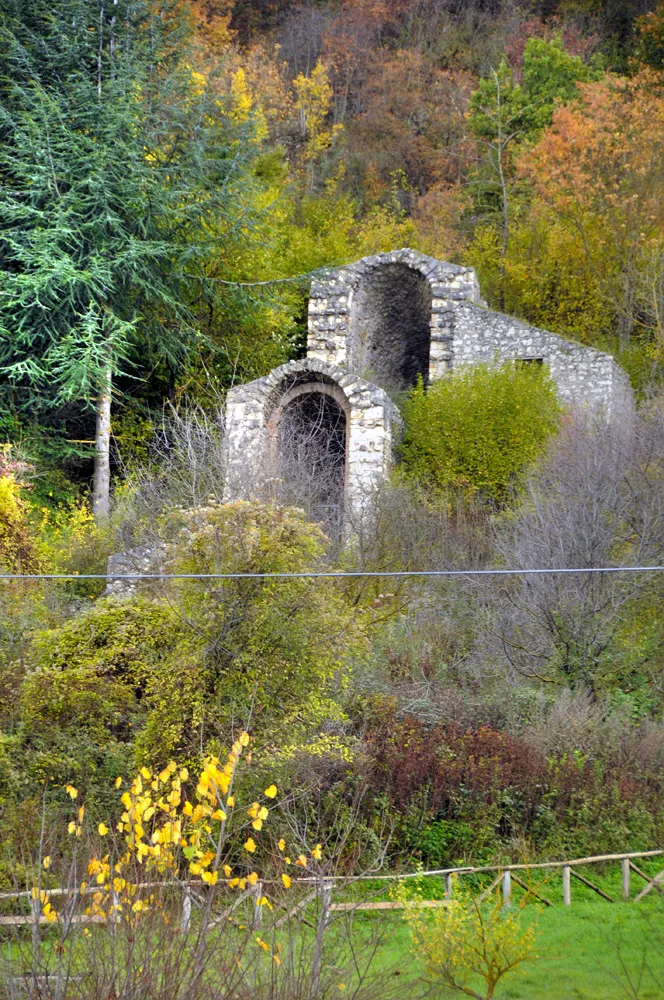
<point x="161" y="829"/>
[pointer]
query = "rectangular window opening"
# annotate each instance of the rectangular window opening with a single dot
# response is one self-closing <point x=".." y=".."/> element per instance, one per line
<point x="524" y="362"/>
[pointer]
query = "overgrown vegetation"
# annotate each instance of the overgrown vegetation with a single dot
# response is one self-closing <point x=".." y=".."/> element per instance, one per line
<point x="287" y="137"/>
<point x="171" y="175"/>
<point x="480" y="429"/>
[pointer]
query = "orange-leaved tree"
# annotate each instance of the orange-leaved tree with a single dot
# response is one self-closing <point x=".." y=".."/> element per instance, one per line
<point x="599" y="168"/>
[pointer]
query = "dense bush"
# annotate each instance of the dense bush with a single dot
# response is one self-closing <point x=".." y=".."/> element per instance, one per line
<point x="278" y="649"/>
<point x="157" y="675"/>
<point x="480" y="428"/>
<point x="477" y="793"/>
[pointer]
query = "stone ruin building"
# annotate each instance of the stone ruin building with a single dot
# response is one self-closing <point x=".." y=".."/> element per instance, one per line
<point x="322" y="430"/>
<point x="327" y="423"/>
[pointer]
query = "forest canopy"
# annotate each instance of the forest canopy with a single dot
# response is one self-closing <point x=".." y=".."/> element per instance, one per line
<point x="173" y="173"/>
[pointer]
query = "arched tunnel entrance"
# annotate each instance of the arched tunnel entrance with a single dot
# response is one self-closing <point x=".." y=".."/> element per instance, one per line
<point x="390" y="336"/>
<point x="310" y="431"/>
<point x="310" y="434"/>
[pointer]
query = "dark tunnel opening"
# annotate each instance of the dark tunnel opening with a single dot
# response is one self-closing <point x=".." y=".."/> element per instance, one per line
<point x="311" y="453"/>
<point x="390" y="336"/>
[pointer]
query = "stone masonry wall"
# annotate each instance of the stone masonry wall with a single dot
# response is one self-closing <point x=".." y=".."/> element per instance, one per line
<point x="331" y="305"/>
<point x="461" y="331"/>
<point x="582" y="374"/>
<point x="390" y="337"/>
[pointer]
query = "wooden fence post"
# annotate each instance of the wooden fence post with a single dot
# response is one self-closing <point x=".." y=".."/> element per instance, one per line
<point x="567" y="888"/>
<point x="653" y="884"/>
<point x="186" y="910"/>
<point x="325" y="892"/>
<point x="625" y="878"/>
<point x="35" y="911"/>
<point x="448" y="886"/>
<point x="506" y="887"/>
<point x="258" y="909"/>
<point x="113" y="915"/>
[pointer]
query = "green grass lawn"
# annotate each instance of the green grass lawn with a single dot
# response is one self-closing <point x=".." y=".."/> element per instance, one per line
<point x="595" y="953"/>
<point x="586" y="952"/>
<point x="592" y="950"/>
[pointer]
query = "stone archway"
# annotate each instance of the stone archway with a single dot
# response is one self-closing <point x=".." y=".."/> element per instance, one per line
<point x="344" y="434"/>
<point x="342" y="322"/>
<point x="390" y="326"/>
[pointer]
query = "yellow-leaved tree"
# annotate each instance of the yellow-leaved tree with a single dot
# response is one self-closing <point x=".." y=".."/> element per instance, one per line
<point x="147" y="893"/>
<point x="18" y="552"/>
<point x="467" y="945"/>
<point x="313" y="104"/>
<point x="598" y="169"/>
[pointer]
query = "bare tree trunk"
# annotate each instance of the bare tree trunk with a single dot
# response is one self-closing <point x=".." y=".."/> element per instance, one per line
<point x="325" y="893"/>
<point x="500" y="150"/>
<point x="101" y="497"/>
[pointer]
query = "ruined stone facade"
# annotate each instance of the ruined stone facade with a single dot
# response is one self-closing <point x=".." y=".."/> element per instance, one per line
<point x="391" y="315"/>
<point x="375" y="326"/>
<point x="256" y="410"/>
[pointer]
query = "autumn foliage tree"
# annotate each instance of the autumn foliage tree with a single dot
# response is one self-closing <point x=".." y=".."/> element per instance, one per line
<point x="173" y="836"/>
<point x="17" y="545"/>
<point x="650" y="38"/>
<point x="599" y="169"/>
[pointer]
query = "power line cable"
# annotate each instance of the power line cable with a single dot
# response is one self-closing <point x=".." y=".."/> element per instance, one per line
<point x="334" y="574"/>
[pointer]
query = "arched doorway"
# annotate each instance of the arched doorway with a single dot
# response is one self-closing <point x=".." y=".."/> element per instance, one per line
<point x="390" y="336"/>
<point x="309" y="432"/>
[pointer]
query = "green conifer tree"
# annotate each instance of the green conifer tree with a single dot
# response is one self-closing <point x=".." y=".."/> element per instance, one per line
<point x="120" y="171"/>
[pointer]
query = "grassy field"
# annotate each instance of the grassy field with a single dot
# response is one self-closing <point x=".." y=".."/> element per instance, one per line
<point x="585" y="953"/>
<point x="592" y="950"/>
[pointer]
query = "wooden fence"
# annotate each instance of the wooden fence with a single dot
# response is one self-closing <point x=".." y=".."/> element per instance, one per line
<point x="321" y="889"/>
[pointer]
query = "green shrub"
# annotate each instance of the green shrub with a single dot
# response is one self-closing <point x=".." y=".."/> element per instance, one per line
<point x="172" y="674"/>
<point x="443" y="840"/>
<point x="116" y="640"/>
<point x="279" y="650"/>
<point x="479" y="429"/>
<point x="87" y="688"/>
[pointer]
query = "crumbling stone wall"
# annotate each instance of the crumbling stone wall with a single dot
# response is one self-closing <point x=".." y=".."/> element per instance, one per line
<point x="338" y="313"/>
<point x="396" y="316"/>
<point x="389" y="318"/>
<point x="144" y="559"/>
<point x="461" y="329"/>
<point x="583" y="375"/>
<point x="390" y="336"/>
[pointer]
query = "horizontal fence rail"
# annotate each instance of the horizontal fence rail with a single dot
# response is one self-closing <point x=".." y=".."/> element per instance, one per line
<point x="320" y="893"/>
<point x="473" y="870"/>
